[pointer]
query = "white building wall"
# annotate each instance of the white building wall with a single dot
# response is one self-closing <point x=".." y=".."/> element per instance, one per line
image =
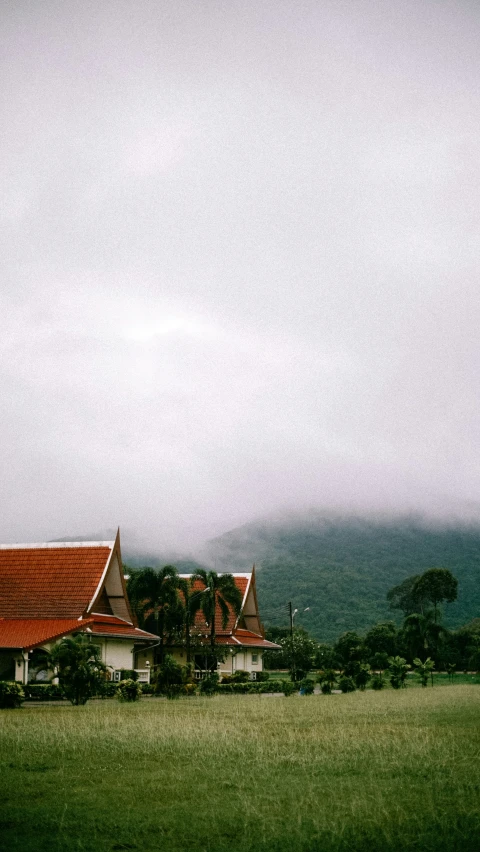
<point x="242" y="661"/>
<point x="117" y="653"/>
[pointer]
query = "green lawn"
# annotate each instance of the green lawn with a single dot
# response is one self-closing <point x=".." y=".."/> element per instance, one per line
<point x="364" y="771"/>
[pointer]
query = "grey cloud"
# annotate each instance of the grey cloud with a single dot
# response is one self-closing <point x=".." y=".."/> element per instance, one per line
<point x="239" y="268"/>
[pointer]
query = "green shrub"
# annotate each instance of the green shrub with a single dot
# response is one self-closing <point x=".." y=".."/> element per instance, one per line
<point x="128" y="674"/>
<point x="209" y="684"/>
<point x="43" y="692"/>
<point x="11" y="695"/>
<point x="168" y="674"/>
<point x="363" y="676"/>
<point x="240" y="676"/>
<point x="262" y="676"/>
<point x="242" y="688"/>
<point x="129" y="690"/>
<point x="327" y="678"/>
<point x="147" y="688"/>
<point x="377" y="681"/>
<point x="285" y="686"/>
<point x="346" y="684"/>
<point x="306" y="686"/>
<point x="108" y="689"/>
<point x="253" y="688"/>
<point x="173" y="690"/>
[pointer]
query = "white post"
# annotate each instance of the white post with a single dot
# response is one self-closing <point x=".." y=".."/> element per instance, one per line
<point x="19" y="666"/>
<point x="25" y="667"/>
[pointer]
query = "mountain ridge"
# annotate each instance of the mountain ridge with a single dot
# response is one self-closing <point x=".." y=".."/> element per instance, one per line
<point x="340" y="567"/>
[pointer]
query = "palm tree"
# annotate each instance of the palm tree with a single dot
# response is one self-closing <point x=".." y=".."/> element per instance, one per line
<point x="422" y="633"/>
<point x="219" y="591"/>
<point x="154" y="594"/>
<point x="191" y="603"/>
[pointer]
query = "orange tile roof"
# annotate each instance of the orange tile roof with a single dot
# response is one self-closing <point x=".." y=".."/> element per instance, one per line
<point x="251" y="640"/>
<point x="106" y="626"/>
<point x="50" y="581"/>
<point x="26" y="633"/>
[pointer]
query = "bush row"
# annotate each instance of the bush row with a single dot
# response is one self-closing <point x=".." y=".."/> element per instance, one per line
<point x="257" y="688"/>
<point x="54" y="692"/>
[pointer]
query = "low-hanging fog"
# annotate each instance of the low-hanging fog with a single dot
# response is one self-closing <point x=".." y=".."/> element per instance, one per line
<point x="239" y="263"/>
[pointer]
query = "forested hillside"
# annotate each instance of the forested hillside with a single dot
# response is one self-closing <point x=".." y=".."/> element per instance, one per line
<point x="342" y="568"/>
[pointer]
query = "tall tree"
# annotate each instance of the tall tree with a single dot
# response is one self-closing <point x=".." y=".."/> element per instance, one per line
<point x="154" y="593"/>
<point x="437" y="585"/>
<point x="219" y="591"/>
<point x="299" y="651"/>
<point x="349" y="646"/>
<point x="407" y="596"/>
<point x="381" y="639"/>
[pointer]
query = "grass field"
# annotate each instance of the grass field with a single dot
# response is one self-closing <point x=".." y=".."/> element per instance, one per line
<point x="364" y="771"/>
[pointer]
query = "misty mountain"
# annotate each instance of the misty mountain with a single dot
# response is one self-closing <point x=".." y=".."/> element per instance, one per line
<point x="145" y="559"/>
<point x="342" y="567"/>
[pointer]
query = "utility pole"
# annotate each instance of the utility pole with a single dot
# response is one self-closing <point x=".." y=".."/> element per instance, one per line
<point x="294" y="667"/>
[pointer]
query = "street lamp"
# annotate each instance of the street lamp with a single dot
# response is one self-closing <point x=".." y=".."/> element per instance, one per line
<point x="293" y="614"/>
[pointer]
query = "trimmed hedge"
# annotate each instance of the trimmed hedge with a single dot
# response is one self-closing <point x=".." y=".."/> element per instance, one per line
<point x="108" y="689"/>
<point x="254" y="688"/>
<point x="43" y="692"/>
<point x="262" y="676"/>
<point x="54" y="692"/>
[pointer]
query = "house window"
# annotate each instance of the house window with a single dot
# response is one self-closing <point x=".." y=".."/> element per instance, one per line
<point x="254" y="659"/>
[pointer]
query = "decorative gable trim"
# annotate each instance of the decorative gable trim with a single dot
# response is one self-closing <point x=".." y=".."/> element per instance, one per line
<point x="101" y="589"/>
<point x="245" y="596"/>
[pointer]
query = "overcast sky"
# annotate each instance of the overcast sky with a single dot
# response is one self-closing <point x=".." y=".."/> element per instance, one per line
<point x="239" y="264"/>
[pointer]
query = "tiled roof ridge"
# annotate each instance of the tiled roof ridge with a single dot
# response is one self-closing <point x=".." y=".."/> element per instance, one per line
<point x="107" y="618"/>
<point x="82" y="620"/>
<point x="244" y="632"/>
<point x="43" y="545"/>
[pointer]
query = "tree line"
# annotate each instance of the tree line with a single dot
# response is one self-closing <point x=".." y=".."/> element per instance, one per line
<point x="421" y="638"/>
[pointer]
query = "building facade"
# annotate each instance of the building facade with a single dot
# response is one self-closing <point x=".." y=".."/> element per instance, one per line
<point x="57" y="589"/>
